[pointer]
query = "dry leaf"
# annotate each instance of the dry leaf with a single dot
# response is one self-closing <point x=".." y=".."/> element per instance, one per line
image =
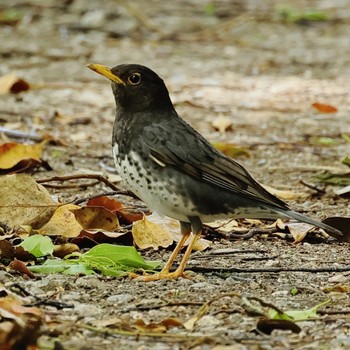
<point x="96" y="218"/>
<point x="24" y="202"/>
<point x="222" y="124"/>
<point x="111" y="204"/>
<point x="285" y="195"/>
<point x="17" y="157"/>
<point x="324" y="108"/>
<point x="63" y="223"/>
<point x="21" y="267"/>
<point x="25" y="323"/>
<point x="299" y="230"/>
<point x="65" y="249"/>
<point x="342" y="224"/>
<point x="10" y="83"/>
<point x="150" y="235"/>
<point x="160" y="327"/>
<point x="231" y="150"/>
<point x="173" y="227"/>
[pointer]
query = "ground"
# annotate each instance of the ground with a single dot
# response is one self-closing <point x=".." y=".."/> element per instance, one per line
<point x="261" y="65"/>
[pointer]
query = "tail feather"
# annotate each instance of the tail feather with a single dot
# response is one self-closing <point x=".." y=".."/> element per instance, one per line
<point x="300" y="217"/>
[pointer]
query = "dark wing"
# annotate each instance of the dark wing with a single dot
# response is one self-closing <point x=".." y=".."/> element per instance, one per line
<point x="186" y="149"/>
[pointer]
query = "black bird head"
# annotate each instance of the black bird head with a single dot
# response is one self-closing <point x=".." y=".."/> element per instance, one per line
<point x="136" y="87"/>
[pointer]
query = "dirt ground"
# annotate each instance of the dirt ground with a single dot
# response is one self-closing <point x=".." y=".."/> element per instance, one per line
<point x="260" y="65"/>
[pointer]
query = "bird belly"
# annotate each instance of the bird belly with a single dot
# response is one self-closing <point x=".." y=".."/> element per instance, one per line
<point x="180" y="196"/>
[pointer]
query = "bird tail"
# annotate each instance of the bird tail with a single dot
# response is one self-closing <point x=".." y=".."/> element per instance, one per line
<point x="302" y="218"/>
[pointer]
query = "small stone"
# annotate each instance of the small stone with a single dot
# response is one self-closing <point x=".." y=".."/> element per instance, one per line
<point x="119" y="298"/>
<point x="208" y="321"/>
<point x="338" y="279"/>
<point x="87" y="310"/>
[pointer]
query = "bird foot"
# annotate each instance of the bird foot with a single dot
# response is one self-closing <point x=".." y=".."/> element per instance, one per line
<point x="159" y="276"/>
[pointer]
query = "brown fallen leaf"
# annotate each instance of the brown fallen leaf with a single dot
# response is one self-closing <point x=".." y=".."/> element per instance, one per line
<point x="10" y="83"/>
<point x="150" y="235"/>
<point x="24" y="202"/>
<point x="115" y="207"/>
<point x="299" y="230"/>
<point x="21" y="267"/>
<point x="324" y="108"/>
<point x="96" y="218"/>
<point x="108" y="203"/>
<point x="62" y="250"/>
<point x="160" y="327"/>
<point x="25" y="325"/>
<point x="340" y="223"/>
<point x="63" y="223"/>
<point x="268" y="325"/>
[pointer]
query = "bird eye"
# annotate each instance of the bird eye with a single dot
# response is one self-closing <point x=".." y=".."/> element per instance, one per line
<point x="135" y="78"/>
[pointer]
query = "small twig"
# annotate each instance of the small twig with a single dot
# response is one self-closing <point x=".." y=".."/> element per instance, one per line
<point x="48" y="302"/>
<point x="80" y="186"/>
<point x="266" y="270"/>
<point x="80" y="176"/>
<point x="160" y="306"/>
<point x="138" y="334"/>
<point x="84" y="199"/>
<point x="21" y="134"/>
<point x="312" y="187"/>
<point x="333" y="312"/>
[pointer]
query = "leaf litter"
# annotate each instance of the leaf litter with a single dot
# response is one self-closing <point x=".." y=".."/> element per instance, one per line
<point x="259" y="127"/>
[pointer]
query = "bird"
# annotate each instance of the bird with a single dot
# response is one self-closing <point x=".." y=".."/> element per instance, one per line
<point x="175" y="170"/>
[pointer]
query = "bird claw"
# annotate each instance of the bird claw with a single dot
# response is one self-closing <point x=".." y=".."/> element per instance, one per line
<point x="159" y="276"/>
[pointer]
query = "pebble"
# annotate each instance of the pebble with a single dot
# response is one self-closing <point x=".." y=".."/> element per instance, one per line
<point x="119" y="298"/>
<point x="87" y="310"/>
<point x="338" y="279"/>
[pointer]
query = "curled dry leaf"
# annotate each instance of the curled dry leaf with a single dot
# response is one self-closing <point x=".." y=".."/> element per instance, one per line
<point x="10" y="83"/>
<point x="147" y="234"/>
<point x="63" y="223"/>
<point x="340" y="223"/>
<point x="24" y="202"/>
<point x="266" y="325"/>
<point x="299" y="230"/>
<point x="21" y="267"/>
<point x="62" y="250"/>
<point x="17" y="157"/>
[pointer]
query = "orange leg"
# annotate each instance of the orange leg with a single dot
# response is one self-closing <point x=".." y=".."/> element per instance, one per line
<point x="175" y="252"/>
<point x="179" y="272"/>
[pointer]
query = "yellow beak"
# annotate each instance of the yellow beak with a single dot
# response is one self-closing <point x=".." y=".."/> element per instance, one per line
<point x="106" y="72"/>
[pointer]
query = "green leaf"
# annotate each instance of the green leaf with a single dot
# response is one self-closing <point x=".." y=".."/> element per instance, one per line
<point x="121" y="255"/>
<point x="106" y="259"/>
<point x="296" y="315"/>
<point x="334" y="179"/>
<point x="68" y="267"/>
<point x="38" y="245"/>
<point x="294" y="291"/>
<point x="346" y="161"/>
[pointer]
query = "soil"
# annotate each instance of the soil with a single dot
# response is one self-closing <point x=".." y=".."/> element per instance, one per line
<point x="261" y="65"/>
